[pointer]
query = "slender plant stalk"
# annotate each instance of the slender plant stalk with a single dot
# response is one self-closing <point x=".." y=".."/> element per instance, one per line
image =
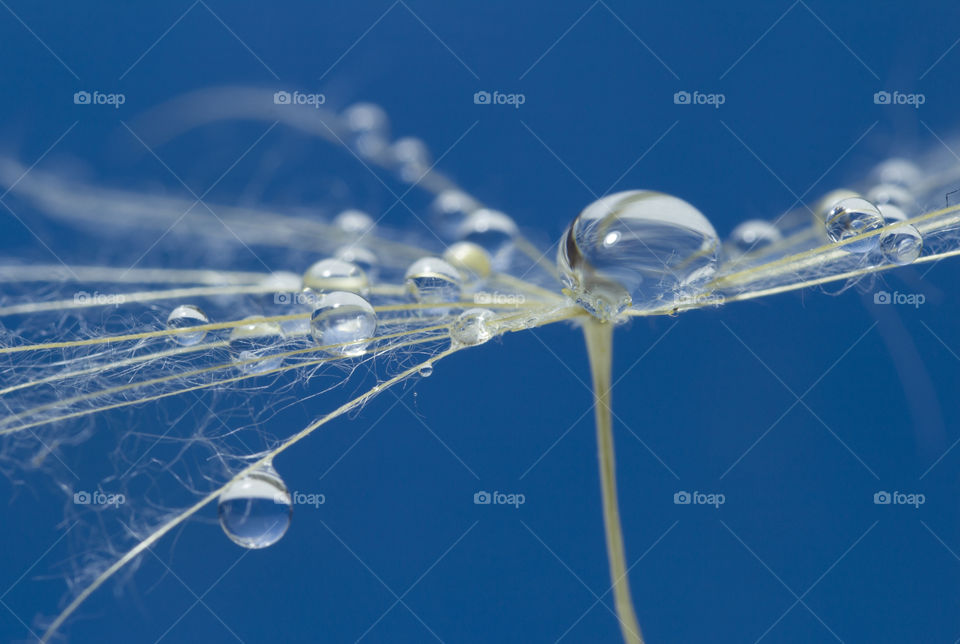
<point x="599" y="336"/>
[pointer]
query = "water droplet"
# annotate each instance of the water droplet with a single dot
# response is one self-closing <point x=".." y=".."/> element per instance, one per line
<point x="891" y="213"/>
<point x="335" y="275"/>
<point x="282" y="282"/>
<point x="450" y="209"/>
<point x="432" y="280"/>
<point x="472" y="327"/>
<point x="826" y="203"/>
<point x="253" y="343"/>
<point x="902" y="244"/>
<point x="492" y="230"/>
<point x="354" y="222"/>
<point x="369" y="128"/>
<point x="470" y="257"/>
<point x="637" y="247"/>
<point x="754" y="235"/>
<point x="344" y="319"/>
<point x="426" y="370"/>
<point x="898" y="171"/>
<point x="412" y="158"/>
<point x="891" y="193"/>
<point x="360" y="256"/>
<point x="849" y="219"/>
<point x="184" y="316"/>
<point x="255" y="510"/>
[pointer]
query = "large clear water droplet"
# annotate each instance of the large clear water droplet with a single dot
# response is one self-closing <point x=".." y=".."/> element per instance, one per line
<point x="432" y="280"/>
<point x="850" y="218"/>
<point x="185" y="316"/>
<point x="255" y="510"/>
<point x="254" y="344"/>
<point x="335" y="275"/>
<point x="346" y="320"/>
<point x="754" y="235"/>
<point x="902" y="244"/>
<point x="637" y="247"/>
<point x="472" y="327"/>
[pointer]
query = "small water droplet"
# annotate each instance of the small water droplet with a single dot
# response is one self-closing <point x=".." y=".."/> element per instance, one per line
<point x="898" y="171"/>
<point x="432" y="280"/>
<point x="426" y="370"/>
<point x="893" y="194"/>
<point x="335" y="275"/>
<point x="360" y="256"/>
<point x="492" y="230"/>
<point x="369" y="129"/>
<point x="663" y="248"/>
<point x="850" y="218"/>
<point x="472" y="327"/>
<point x="344" y="319"/>
<point x="255" y="510"/>
<point x="354" y="222"/>
<point x="754" y="235"/>
<point x="185" y="316"/>
<point x="253" y="343"/>
<point x="411" y="157"/>
<point x="902" y="244"/>
<point x="450" y="209"/>
<point x="891" y="213"/>
<point x="470" y="257"/>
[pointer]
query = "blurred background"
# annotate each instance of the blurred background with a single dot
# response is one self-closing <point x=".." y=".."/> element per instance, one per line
<point x="797" y="408"/>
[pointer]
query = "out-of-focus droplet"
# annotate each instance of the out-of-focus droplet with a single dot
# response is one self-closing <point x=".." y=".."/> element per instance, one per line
<point x="754" y="235"/>
<point x="369" y="129"/>
<point x="186" y="316"/>
<point x="411" y="157"/>
<point x="255" y="510"/>
<point x="254" y="344"/>
<point x="893" y="194"/>
<point x="850" y="219"/>
<point x="639" y="248"/>
<point x="335" y="275"/>
<point x="354" y="222"/>
<point x="469" y="257"/>
<point x="492" y="230"/>
<point x="901" y="172"/>
<point x="450" y="209"/>
<point x="344" y="320"/>
<point x="472" y="327"/>
<point x="432" y="280"/>
<point x="902" y="244"/>
<point x="360" y="256"/>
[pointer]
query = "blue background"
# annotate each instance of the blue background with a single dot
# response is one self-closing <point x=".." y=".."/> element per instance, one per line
<point x="799" y="551"/>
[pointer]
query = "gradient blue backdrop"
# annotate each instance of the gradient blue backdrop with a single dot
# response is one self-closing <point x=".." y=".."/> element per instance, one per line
<point x="799" y="551"/>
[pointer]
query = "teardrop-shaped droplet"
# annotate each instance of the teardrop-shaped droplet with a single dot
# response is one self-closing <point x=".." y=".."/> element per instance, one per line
<point x="901" y="244"/>
<point x="432" y="280"/>
<point x="754" y="235"/>
<point x="186" y="316"/>
<point x="411" y="158"/>
<point x="369" y="129"/>
<point x="450" y="209"/>
<point x="492" y="230"/>
<point x="469" y="257"/>
<point x="335" y="275"/>
<point x="472" y="327"/>
<point x="851" y="218"/>
<point x="354" y="222"/>
<point x="255" y="343"/>
<point x="641" y="247"/>
<point x="426" y="370"/>
<point x="344" y="322"/>
<point x="255" y="510"/>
